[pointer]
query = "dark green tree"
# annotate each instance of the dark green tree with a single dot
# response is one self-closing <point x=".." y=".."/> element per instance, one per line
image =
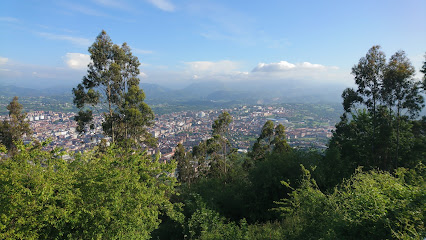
<point x="12" y="129"/>
<point x="220" y="129"/>
<point x="401" y="91"/>
<point x="186" y="170"/>
<point x="391" y="97"/>
<point x="112" y="84"/>
<point x="280" y="143"/>
<point x="369" y="77"/>
<point x="263" y="143"/>
<point x="270" y="139"/>
<point x="423" y="70"/>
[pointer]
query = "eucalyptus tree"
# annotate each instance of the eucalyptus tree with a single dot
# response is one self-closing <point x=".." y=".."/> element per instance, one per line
<point x="220" y="129"/>
<point x="12" y="129"/>
<point x="391" y="96"/>
<point x="271" y="139"/>
<point x="112" y="85"/>
<point x="400" y="90"/>
<point x="369" y="77"/>
<point x="423" y="70"/>
<point x="186" y="171"/>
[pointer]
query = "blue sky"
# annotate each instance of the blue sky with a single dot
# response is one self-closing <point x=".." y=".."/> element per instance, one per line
<point x="44" y="43"/>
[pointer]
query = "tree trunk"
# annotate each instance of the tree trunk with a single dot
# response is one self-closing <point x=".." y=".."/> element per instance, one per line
<point x="397" y="134"/>
<point x="224" y="155"/>
<point x="110" y="113"/>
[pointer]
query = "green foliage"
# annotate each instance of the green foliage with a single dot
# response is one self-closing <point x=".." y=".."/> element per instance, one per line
<point x="351" y="147"/>
<point x="185" y="166"/>
<point x="423" y="70"/>
<point x="118" y="194"/>
<point x="112" y="84"/>
<point x="369" y="205"/>
<point x="270" y="140"/>
<point x="382" y="135"/>
<point x="265" y="179"/>
<point x="12" y="129"/>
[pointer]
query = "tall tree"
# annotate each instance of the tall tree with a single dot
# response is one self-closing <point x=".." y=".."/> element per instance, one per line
<point x="220" y="130"/>
<point x="270" y="140"/>
<point x="423" y="70"/>
<point x="400" y="90"/>
<point x="186" y="171"/>
<point x="280" y="142"/>
<point x="380" y="135"/>
<point x="263" y="142"/>
<point x="112" y="84"/>
<point x="369" y="78"/>
<point x="12" y="129"/>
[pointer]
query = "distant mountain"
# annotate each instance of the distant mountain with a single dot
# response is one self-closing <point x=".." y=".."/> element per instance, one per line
<point x="10" y="91"/>
<point x="153" y="91"/>
<point x="199" y="90"/>
<point x="213" y="91"/>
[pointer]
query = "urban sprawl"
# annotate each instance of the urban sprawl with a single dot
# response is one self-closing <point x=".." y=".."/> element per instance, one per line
<point x="187" y="127"/>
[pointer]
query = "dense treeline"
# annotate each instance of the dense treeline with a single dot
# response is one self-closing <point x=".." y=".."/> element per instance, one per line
<point x="368" y="184"/>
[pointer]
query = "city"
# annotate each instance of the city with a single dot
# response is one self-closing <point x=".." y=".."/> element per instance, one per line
<point x="188" y="128"/>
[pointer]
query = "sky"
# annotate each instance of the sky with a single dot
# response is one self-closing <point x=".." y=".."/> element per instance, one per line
<point x="44" y="43"/>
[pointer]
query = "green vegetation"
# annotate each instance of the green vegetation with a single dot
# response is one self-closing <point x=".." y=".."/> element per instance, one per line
<point x="368" y="184"/>
<point x="43" y="103"/>
<point x="110" y="194"/>
<point x="12" y="129"/>
<point x="112" y="84"/>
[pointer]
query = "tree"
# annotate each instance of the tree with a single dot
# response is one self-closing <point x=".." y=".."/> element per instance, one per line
<point x="220" y="130"/>
<point x="186" y="171"/>
<point x="385" y="90"/>
<point x="263" y="142"/>
<point x="368" y="205"/>
<point x="270" y="139"/>
<point x="369" y="77"/>
<point x="117" y="194"/>
<point x="12" y="129"/>
<point x="112" y="84"/>
<point x="399" y="90"/>
<point x="423" y="70"/>
<point x="280" y="142"/>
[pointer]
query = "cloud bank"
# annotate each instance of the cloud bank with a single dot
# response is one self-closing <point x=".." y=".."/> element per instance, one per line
<point x="3" y="60"/>
<point x="77" y="61"/>
<point x="283" y="66"/>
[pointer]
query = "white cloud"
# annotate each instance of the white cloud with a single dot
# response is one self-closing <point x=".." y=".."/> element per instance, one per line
<point x="163" y="5"/>
<point x="74" y="40"/>
<point x="304" y="71"/>
<point x="3" y="60"/>
<point x="273" y="67"/>
<point x="224" y="66"/>
<point x="311" y="65"/>
<point x="78" y="61"/>
<point x="283" y="66"/>
<point x="143" y="75"/>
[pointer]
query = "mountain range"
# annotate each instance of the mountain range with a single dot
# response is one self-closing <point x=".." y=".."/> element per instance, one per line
<point x="215" y="91"/>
